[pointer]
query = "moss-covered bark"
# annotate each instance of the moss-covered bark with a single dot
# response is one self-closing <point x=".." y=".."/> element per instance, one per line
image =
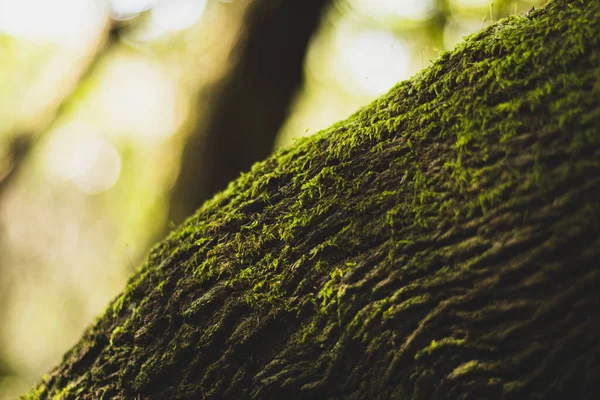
<point x="442" y="243"/>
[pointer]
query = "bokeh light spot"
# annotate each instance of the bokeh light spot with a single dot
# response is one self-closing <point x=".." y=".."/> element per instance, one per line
<point x="472" y="3"/>
<point x="176" y="14"/>
<point x="127" y="9"/>
<point x="139" y="98"/>
<point x="76" y="153"/>
<point x="67" y="22"/>
<point x="95" y="166"/>
<point x="413" y="9"/>
<point x="376" y="59"/>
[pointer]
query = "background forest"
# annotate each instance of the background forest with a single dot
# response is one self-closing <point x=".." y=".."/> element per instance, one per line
<point x="118" y="118"/>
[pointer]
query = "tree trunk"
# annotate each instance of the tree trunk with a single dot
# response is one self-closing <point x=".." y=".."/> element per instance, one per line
<point x="248" y="106"/>
<point x="442" y="243"/>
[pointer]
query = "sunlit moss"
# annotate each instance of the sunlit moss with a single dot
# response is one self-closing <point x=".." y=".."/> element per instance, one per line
<point x="369" y="231"/>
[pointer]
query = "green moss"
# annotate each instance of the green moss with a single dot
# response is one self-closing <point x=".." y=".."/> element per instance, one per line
<point x="438" y="345"/>
<point x="384" y="233"/>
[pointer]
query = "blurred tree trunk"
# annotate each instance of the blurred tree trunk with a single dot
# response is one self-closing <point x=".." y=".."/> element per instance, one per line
<point x="442" y="243"/>
<point x="247" y="107"/>
<point x="20" y="145"/>
<point x="17" y="149"/>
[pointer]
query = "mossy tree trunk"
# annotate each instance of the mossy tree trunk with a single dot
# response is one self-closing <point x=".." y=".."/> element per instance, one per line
<point x="442" y="243"/>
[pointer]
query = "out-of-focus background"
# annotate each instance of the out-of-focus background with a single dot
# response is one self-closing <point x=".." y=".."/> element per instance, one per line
<point x="118" y="118"/>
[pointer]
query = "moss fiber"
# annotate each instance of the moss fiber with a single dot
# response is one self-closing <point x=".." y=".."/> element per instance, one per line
<point x="441" y="243"/>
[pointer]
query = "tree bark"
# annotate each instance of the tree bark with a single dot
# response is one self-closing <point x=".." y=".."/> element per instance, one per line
<point x="442" y="243"/>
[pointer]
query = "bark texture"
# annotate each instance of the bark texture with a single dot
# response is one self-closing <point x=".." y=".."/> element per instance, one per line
<point x="441" y="243"/>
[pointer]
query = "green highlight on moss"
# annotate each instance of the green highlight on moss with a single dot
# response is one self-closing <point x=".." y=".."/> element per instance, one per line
<point x="365" y="226"/>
